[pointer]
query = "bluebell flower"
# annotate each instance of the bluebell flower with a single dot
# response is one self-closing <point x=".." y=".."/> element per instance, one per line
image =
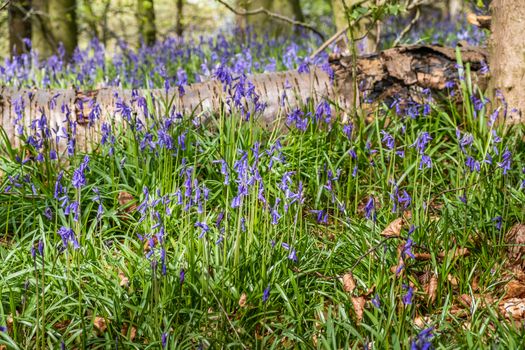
<point x="370" y="209"/>
<point x="422" y="142"/>
<point x="204" y="228"/>
<point x="498" y="222"/>
<point x="407" y="298"/>
<point x="472" y="164"/>
<point x="274" y="212"/>
<point x="266" y="294"/>
<point x="68" y="236"/>
<point x="426" y="162"/>
<point x="376" y="301"/>
<point x="423" y="340"/>
<point x="164" y="340"/>
<point x="506" y="160"/>
<point x="182" y="274"/>
<point x="388" y="140"/>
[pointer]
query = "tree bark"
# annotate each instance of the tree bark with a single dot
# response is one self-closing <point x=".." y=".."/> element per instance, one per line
<point x="178" y="25"/>
<point x="146" y="19"/>
<point x="507" y="56"/>
<point x="63" y="18"/>
<point x="42" y="39"/>
<point x="401" y="73"/>
<point x="19" y="26"/>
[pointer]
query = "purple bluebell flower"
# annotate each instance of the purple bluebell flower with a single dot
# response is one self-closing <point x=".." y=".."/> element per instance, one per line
<point x="376" y="301"/>
<point x="204" y="228"/>
<point x="321" y="216"/>
<point x="423" y="340"/>
<point x="472" y="164"/>
<point x="79" y="178"/>
<point x="404" y="199"/>
<point x="164" y="340"/>
<point x="370" y="209"/>
<point x="506" y="161"/>
<point x="3" y="329"/>
<point x="407" y="298"/>
<point x="68" y="235"/>
<point x="275" y="213"/>
<point x="422" y="142"/>
<point x="498" y="222"/>
<point x="266" y="294"/>
<point x="426" y="162"/>
<point x="182" y="274"/>
<point x="388" y="140"/>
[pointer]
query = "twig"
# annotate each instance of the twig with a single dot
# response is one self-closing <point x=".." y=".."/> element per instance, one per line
<point x="277" y="16"/>
<point x="329" y="42"/>
<point x="5" y="5"/>
<point x="407" y="28"/>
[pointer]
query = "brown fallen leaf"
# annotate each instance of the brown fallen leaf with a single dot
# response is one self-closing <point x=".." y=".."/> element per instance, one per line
<point x="423" y="256"/>
<point x="348" y="282"/>
<point x="359" y="307"/>
<point x="62" y="325"/>
<point x="124" y="199"/>
<point x="100" y="324"/>
<point x="393" y="229"/>
<point x="453" y="280"/>
<point x="124" y="281"/>
<point x="515" y="238"/>
<point x="132" y="332"/>
<point x="422" y="322"/>
<point x="431" y="289"/>
<point x="242" y="300"/>
<point x="454" y="253"/>
<point x="513" y="308"/>
<point x="515" y="289"/>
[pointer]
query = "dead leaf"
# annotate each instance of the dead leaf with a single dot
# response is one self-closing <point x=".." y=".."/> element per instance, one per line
<point x="100" y="324"/>
<point x="515" y="289"/>
<point x="124" y="199"/>
<point x="124" y="281"/>
<point x="453" y="280"/>
<point x="242" y="300"/>
<point x="513" y="308"/>
<point x="359" y="307"/>
<point x="422" y="322"/>
<point x="62" y="325"/>
<point x="132" y="332"/>
<point x="454" y="253"/>
<point x="348" y="282"/>
<point x="422" y="256"/>
<point x="431" y="288"/>
<point x="393" y="229"/>
<point x="515" y="238"/>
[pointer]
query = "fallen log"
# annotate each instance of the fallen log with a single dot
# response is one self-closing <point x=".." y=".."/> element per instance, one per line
<point x="402" y="72"/>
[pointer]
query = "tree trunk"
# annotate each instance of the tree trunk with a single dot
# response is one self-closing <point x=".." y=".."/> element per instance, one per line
<point x="178" y="25"/>
<point x="19" y="26"/>
<point x="297" y="10"/>
<point x="146" y="19"/>
<point x="365" y="37"/>
<point x="42" y="39"/>
<point x="454" y="8"/>
<point x="395" y="73"/>
<point x="507" y="56"/>
<point x="62" y="14"/>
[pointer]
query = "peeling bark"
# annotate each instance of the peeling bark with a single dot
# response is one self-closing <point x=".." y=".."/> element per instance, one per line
<point x="395" y="73"/>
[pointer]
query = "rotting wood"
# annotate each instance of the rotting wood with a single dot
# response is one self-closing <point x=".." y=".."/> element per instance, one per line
<point x="404" y="73"/>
